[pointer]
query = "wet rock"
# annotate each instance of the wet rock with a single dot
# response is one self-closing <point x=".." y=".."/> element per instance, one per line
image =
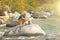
<point x="11" y="24"/>
<point x="1" y="34"/>
<point x="32" y="29"/>
<point x="13" y="31"/>
<point x="26" y="30"/>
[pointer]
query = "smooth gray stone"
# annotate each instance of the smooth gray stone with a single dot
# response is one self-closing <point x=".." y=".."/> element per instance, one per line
<point x="11" y="24"/>
<point x="26" y="30"/>
<point x="32" y="29"/>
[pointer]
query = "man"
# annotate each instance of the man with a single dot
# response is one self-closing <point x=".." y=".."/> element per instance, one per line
<point x="24" y="18"/>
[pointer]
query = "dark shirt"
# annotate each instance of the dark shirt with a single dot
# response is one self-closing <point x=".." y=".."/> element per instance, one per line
<point x="21" y="16"/>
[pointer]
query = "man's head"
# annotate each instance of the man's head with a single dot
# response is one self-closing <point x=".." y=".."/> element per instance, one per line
<point x="24" y="13"/>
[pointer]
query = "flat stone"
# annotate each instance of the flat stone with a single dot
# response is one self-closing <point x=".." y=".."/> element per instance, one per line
<point x="11" y="24"/>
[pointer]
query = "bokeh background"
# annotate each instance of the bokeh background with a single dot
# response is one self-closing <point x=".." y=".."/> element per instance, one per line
<point x="51" y="25"/>
<point x="33" y="5"/>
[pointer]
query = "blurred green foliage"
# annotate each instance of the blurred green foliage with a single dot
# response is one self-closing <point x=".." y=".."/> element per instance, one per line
<point x="28" y="5"/>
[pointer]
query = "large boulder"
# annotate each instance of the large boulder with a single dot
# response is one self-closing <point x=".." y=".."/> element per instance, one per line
<point x="26" y="30"/>
<point x="32" y="29"/>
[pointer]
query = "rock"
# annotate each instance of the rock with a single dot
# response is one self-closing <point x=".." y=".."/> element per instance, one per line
<point x="13" y="31"/>
<point x="36" y="14"/>
<point x="26" y="30"/>
<point x="3" y="25"/>
<point x="1" y="34"/>
<point x="32" y="29"/>
<point x="4" y="19"/>
<point x="41" y="14"/>
<point x="11" y="24"/>
<point x="15" y="15"/>
<point x="52" y="37"/>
